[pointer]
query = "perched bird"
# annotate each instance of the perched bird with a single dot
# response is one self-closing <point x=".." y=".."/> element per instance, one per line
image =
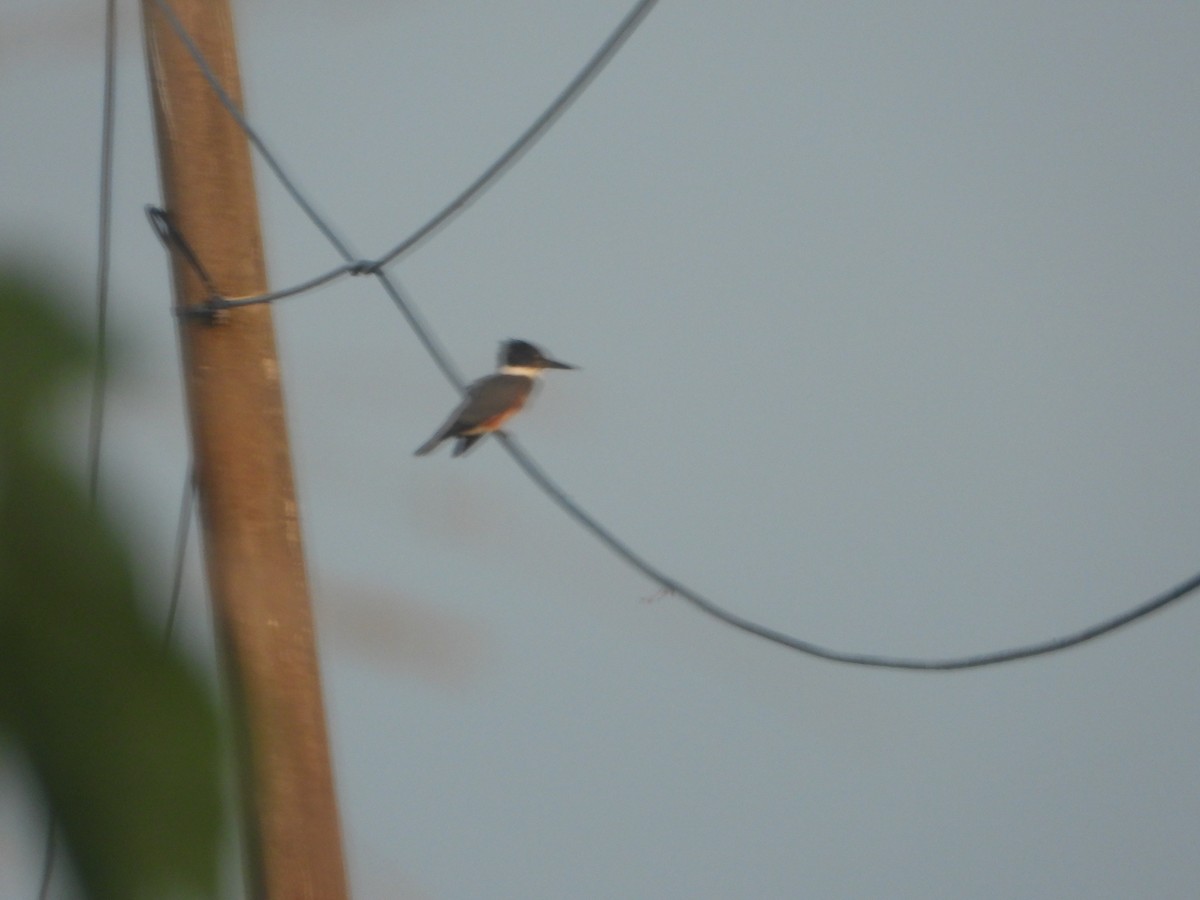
<point x="493" y="400"/>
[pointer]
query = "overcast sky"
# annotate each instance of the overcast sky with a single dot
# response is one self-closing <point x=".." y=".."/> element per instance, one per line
<point x="887" y="323"/>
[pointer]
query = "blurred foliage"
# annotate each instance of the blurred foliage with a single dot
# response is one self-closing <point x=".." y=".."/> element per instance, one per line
<point x="120" y="733"/>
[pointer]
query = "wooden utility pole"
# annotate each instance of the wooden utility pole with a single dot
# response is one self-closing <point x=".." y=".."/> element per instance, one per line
<point x="252" y="540"/>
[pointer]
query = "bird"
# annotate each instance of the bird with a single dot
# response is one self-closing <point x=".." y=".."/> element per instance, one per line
<point x="494" y="399"/>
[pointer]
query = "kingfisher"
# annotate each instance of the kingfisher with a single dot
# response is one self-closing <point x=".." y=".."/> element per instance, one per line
<point x="493" y="400"/>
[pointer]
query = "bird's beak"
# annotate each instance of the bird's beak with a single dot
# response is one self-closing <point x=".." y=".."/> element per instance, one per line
<point x="555" y="364"/>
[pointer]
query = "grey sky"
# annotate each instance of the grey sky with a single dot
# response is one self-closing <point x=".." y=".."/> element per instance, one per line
<point x="887" y="319"/>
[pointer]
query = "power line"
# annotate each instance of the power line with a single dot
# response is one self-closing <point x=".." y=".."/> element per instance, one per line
<point x="530" y="136"/>
<point x="671" y="586"/>
<point x="555" y="493"/>
<point x="100" y="376"/>
<point x="232" y="108"/>
<point x="173" y="239"/>
<point x="217" y="303"/>
<point x="175" y="242"/>
<point x="100" y="364"/>
<point x="182" y="531"/>
<point x="104" y="251"/>
<point x="503" y="163"/>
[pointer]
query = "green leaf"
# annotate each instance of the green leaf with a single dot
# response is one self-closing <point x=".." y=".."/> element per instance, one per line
<point x="37" y="351"/>
<point x="120" y="732"/>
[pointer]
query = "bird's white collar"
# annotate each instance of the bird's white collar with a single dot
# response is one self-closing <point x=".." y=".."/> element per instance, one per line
<point x="526" y="371"/>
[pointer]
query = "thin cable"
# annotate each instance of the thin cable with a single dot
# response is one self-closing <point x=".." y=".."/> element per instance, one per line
<point x="552" y="490"/>
<point x="565" y="99"/>
<point x="100" y="373"/>
<point x="48" y="859"/>
<point x="232" y="108"/>
<point x="174" y="241"/>
<point x="530" y="136"/>
<point x="182" y="532"/>
<point x="100" y="370"/>
<point x="555" y="493"/>
<point x="357" y="268"/>
<point x="172" y="238"/>
<point x="181" y="541"/>
<point x="423" y="332"/>
<point x="169" y="234"/>
<point x="104" y="252"/>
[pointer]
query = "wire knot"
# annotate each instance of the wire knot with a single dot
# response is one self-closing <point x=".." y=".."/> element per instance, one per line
<point x="363" y="267"/>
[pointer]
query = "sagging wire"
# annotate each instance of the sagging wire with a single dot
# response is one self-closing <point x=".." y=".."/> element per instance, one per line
<point x="558" y="496"/>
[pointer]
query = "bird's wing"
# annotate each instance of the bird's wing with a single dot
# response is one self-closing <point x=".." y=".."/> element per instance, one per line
<point x="504" y="395"/>
<point x="496" y="396"/>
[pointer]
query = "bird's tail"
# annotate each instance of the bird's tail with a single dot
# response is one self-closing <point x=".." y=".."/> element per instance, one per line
<point x="465" y="443"/>
<point x="430" y="445"/>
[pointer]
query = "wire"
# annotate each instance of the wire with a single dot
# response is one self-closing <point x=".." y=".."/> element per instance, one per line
<point x="232" y="108"/>
<point x="671" y="586"/>
<point x="423" y="332"/>
<point x="100" y="371"/>
<point x="104" y="253"/>
<point x="182" y="529"/>
<point x="100" y="365"/>
<point x="530" y="136"/>
<point x="555" y="493"/>
<point x="219" y="303"/>
<point x="174" y="241"/>
<point x="170" y="235"/>
<point x="48" y="859"/>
